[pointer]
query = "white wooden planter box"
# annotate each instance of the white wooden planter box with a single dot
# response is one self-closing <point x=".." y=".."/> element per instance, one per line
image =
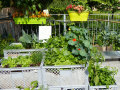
<point x="65" y="77"/>
<point x="111" y="87"/>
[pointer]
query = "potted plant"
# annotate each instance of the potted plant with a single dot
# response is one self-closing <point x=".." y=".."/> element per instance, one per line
<point x="29" y="12"/>
<point x="105" y="39"/>
<point x="78" y="11"/>
<point x="39" y="18"/>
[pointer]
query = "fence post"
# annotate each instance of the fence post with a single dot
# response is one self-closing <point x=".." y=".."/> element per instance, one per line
<point x="108" y="20"/>
<point x="64" y="24"/>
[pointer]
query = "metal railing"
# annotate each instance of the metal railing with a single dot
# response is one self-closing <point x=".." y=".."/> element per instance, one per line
<point x="60" y="24"/>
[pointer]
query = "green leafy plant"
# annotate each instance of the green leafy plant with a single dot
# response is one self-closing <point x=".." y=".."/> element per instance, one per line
<point x="106" y="38"/>
<point x="3" y="44"/>
<point x="58" y="6"/>
<point x="116" y="42"/>
<point x="27" y="6"/>
<point x="56" y="42"/>
<point x="34" y="84"/>
<point x="101" y="76"/>
<point x="30" y="41"/>
<point x="19" y="46"/>
<point x="79" y="43"/>
<point x="58" y="56"/>
<point x="20" y="87"/>
<point x="36" y="57"/>
<point x="22" y="61"/>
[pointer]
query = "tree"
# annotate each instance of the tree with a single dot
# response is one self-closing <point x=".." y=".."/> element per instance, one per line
<point x="106" y="5"/>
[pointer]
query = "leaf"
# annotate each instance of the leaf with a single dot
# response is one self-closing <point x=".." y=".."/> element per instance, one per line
<point x="96" y="80"/>
<point x="66" y="53"/>
<point x="39" y="6"/>
<point x="71" y="42"/>
<point x="82" y="52"/>
<point x="75" y="52"/>
<point x="25" y="38"/>
<point x="35" y="38"/>
<point x="86" y="43"/>
<point x="34" y="7"/>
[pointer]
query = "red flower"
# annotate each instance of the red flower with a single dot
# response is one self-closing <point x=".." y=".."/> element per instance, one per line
<point x="70" y="6"/>
<point x="74" y="39"/>
<point x="79" y="49"/>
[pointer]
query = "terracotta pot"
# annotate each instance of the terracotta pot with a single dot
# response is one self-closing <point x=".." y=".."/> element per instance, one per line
<point x="109" y="48"/>
<point x="100" y="48"/>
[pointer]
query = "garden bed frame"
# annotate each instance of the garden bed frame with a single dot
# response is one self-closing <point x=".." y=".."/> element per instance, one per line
<point x="19" y="52"/>
<point x="111" y="87"/>
<point x="10" y="78"/>
<point x="61" y="81"/>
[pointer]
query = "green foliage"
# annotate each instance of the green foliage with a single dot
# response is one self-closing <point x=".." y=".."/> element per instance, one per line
<point x="116" y="42"/>
<point x="30" y="41"/>
<point x="27" y="88"/>
<point x="34" y="84"/>
<point x="19" y="46"/>
<point x="0" y="5"/>
<point x="105" y="5"/>
<point x="23" y="61"/>
<point x="58" y="6"/>
<point x="79" y="42"/>
<point x="56" y="42"/>
<point x="106" y="38"/>
<point x="36" y="57"/>
<point x="101" y="76"/>
<point x="4" y="42"/>
<point x="25" y="38"/>
<point x="20" y="87"/>
<point x="96" y="55"/>
<point x="28" y="6"/>
<point x="58" y="56"/>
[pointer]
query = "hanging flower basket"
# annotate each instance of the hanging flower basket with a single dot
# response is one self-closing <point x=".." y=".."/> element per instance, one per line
<point x="75" y="16"/>
<point x="41" y="20"/>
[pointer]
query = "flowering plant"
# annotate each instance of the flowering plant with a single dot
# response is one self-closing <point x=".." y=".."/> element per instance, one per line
<point x="79" y="42"/>
<point x="78" y="8"/>
<point x="40" y="14"/>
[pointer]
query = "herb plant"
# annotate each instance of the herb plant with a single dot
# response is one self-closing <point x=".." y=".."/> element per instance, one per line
<point x="79" y="43"/>
<point x="101" y="76"/>
<point x="36" y="57"/>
